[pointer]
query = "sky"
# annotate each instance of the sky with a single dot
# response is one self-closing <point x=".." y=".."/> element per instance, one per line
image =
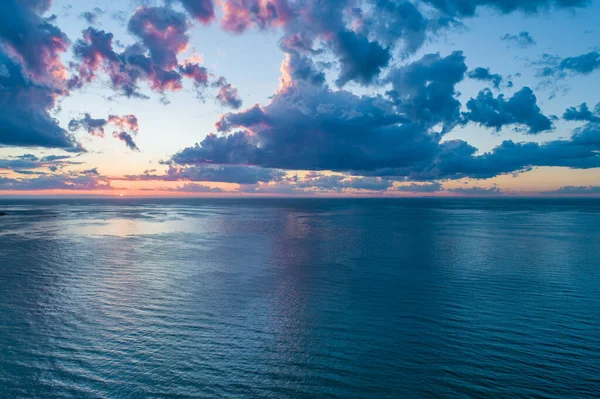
<point x="300" y="98"/>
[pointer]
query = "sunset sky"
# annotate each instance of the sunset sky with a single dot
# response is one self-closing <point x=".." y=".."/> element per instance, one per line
<point x="299" y="97"/>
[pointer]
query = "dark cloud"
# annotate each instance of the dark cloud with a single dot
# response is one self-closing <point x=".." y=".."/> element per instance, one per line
<point x="583" y="113"/>
<point x="583" y="64"/>
<point x="311" y="127"/>
<point x="485" y="75"/>
<point x="93" y="171"/>
<point x="425" y="90"/>
<point x="92" y="50"/>
<point x="557" y="67"/>
<point x="195" y="72"/>
<point x="25" y="118"/>
<point x="95" y="127"/>
<point x="32" y="76"/>
<point x="457" y="159"/>
<point x="497" y="112"/>
<point x="468" y="8"/>
<point x="202" y="10"/>
<point x="522" y="40"/>
<point x="37" y="42"/>
<point x="227" y="96"/>
<point x="362" y="52"/>
<point x="126" y="69"/>
<point x="127" y="139"/>
<point x="361" y="60"/>
<point x="308" y="126"/>
<point x="362" y="34"/>
<point x="397" y="20"/>
<point x="164" y="33"/>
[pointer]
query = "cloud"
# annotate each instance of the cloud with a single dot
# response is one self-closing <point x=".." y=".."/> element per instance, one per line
<point x="361" y="43"/>
<point x="368" y="183"/>
<point x="70" y="181"/>
<point x="468" y="8"/>
<point x="164" y="33"/>
<point x="392" y="21"/>
<point x="522" y="40"/>
<point x="315" y="183"/>
<point x="497" y="112"/>
<point x="361" y="60"/>
<point x="313" y="128"/>
<point x="485" y="75"/>
<point x="425" y="89"/>
<point x="308" y="126"/>
<point x="583" y="64"/>
<point x="227" y="96"/>
<point x="576" y="190"/>
<point x="127" y="139"/>
<point x="363" y="34"/>
<point x="341" y="183"/>
<point x="32" y="162"/>
<point x="95" y="127"/>
<point x="91" y="17"/>
<point x="420" y="188"/>
<point x="215" y="173"/>
<point x="196" y="188"/>
<point x="457" y="159"/>
<point x="476" y="190"/>
<point x="202" y="10"/>
<point x="36" y="41"/>
<point x="195" y="72"/>
<point x="582" y="113"/>
<point x="32" y="76"/>
<point x="239" y="15"/>
<point x="25" y="119"/>
<point x="557" y="67"/>
<point x="125" y="122"/>
<point x="126" y="69"/>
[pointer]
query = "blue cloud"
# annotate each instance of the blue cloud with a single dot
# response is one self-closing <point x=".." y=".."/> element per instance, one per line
<point x="497" y="112"/>
<point x="522" y="40"/>
<point x="583" y="113"/>
<point x="485" y="75"/>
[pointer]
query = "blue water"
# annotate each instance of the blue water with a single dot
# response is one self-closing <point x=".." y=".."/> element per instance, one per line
<point x="300" y="298"/>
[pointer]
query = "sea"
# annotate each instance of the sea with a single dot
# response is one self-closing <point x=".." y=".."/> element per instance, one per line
<point x="300" y="298"/>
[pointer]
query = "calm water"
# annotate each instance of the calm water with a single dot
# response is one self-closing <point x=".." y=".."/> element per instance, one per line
<point x="300" y="298"/>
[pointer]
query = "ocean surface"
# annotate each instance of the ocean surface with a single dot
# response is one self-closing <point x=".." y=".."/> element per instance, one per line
<point x="300" y="298"/>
